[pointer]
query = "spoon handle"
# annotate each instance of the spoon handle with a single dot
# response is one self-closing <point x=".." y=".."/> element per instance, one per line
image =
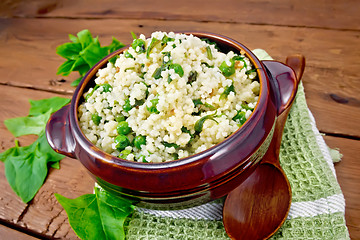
<point x="297" y="63"/>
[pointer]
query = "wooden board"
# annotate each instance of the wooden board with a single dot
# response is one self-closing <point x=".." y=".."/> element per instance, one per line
<point x="331" y="85"/>
<point x="45" y="216"/>
<point x="335" y="14"/>
<point x="349" y="179"/>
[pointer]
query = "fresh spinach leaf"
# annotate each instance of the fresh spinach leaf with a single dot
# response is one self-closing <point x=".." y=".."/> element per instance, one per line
<point x="26" y="167"/>
<point x="83" y="52"/>
<point x="42" y="106"/>
<point x="28" y="125"/>
<point x="97" y="216"/>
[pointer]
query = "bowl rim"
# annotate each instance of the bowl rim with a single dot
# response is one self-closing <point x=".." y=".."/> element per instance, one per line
<point x="193" y="159"/>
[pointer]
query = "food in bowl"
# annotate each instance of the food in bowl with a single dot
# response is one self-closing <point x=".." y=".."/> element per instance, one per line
<point x="168" y="97"/>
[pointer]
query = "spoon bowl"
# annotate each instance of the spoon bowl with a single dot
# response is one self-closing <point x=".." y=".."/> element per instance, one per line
<point x="258" y="207"/>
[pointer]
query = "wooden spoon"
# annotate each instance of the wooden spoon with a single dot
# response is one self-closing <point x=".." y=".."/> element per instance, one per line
<point x="259" y="206"/>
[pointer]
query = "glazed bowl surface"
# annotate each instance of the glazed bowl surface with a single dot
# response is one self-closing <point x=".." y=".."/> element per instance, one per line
<point x="189" y="181"/>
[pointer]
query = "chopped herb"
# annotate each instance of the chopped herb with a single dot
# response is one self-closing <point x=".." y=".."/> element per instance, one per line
<point x="197" y="102"/>
<point x="153" y="43"/>
<point x="128" y="55"/>
<point x="169" y="145"/>
<point x="124" y="153"/>
<point x="138" y="44"/>
<point x="106" y="88"/>
<point x="248" y="72"/>
<point x="239" y="118"/>
<point x="152" y="108"/>
<point x="227" y="91"/>
<point x="185" y="130"/>
<point x="199" y="123"/>
<point x="166" y="39"/>
<point x="246" y="107"/>
<point x="207" y="65"/>
<point x="157" y="72"/>
<point x="208" y="52"/>
<point x="168" y="55"/>
<point x="175" y="156"/>
<point x="227" y="70"/>
<point x="208" y="41"/>
<point x="239" y="58"/>
<point x="211" y="107"/>
<point x="177" y="68"/>
<point x="92" y="92"/>
<point x="142" y="158"/>
<point x="192" y="77"/>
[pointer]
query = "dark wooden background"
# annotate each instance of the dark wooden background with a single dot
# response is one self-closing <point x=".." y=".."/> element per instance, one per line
<point x="326" y="32"/>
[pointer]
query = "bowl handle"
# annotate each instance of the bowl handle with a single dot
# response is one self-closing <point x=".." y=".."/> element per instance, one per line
<point x="284" y="82"/>
<point x="58" y="132"/>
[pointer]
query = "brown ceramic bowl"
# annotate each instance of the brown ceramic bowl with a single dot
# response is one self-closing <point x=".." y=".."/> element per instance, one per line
<point x="196" y="179"/>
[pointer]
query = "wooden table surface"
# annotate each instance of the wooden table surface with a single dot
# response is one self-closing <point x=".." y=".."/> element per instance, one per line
<point x="326" y="32"/>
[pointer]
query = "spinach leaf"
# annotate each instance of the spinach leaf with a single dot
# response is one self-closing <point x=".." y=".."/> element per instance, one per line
<point x="42" y="106"/>
<point x="97" y="216"/>
<point x="26" y="167"/>
<point x="82" y="53"/>
<point x="28" y="125"/>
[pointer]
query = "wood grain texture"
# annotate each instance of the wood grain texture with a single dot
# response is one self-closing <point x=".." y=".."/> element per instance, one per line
<point x="331" y="84"/>
<point x="43" y="215"/>
<point x="326" y="32"/>
<point x="335" y="14"/>
<point x="8" y="233"/>
<point x="349" y="179"/>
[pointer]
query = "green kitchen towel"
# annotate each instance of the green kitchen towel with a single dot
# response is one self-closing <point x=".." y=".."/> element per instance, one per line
<point x="318" y="205"/>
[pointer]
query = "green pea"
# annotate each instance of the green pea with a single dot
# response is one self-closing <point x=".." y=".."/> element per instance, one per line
<point x="120" y="118"/>
<point x="227" y="70"/>
<point x="127" y="106"/>
<point x="121" y="142"/>
<point x="123" y="128"/>
<point x="139" y="140"/>
<point x="96" y="119"/>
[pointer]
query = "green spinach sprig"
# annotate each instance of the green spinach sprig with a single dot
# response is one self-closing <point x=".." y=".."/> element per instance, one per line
<point x="83" y="52"/>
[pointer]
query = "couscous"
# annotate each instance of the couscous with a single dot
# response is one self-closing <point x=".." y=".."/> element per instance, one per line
<point x="168" y="97"/>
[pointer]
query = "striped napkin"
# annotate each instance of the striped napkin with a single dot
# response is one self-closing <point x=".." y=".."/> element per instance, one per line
<point x="318" y="205"/>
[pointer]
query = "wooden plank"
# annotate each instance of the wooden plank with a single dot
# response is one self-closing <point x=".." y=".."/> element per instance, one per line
<point x="349" y="179"/>
<point x="8" y="233"/>
<point x="43" y="215"/>
<point x="335" y="14"/>
<point x="331" y="76"/>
